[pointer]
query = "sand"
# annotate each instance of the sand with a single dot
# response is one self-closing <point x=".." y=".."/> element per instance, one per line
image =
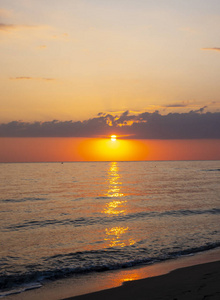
<point x="183" y="282"/>
<point x="195" y="282"/>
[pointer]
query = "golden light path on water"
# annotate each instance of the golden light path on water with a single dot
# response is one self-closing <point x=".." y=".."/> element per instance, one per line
<point x="116" y="236"/>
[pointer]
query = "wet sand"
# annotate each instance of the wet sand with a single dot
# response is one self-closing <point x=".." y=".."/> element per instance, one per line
<point x="195" y="282"/>
<point x="163" y="280"/>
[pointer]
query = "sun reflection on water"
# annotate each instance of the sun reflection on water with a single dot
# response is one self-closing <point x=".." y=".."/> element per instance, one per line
<point x="116" y="236"/>
<point x="115" y="208"/>
<point x="117" y="205"/>
<point x="114" y="181"/>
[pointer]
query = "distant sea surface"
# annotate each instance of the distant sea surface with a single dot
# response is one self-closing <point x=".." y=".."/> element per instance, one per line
<point x="58" y="220"/>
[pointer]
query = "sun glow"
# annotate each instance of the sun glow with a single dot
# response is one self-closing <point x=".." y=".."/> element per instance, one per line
<point x="113" y="138"/>
<point x="95" y="149"/>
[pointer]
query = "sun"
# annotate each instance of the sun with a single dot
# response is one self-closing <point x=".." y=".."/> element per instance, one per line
<point x="113" y="138"/>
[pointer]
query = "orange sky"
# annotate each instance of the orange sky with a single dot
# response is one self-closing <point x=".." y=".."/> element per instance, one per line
<point x="83" y="149"/>
<point x="143" y="69"/>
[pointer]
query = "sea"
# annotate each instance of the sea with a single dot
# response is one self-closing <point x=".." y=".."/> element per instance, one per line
<point x="62" y="219"/>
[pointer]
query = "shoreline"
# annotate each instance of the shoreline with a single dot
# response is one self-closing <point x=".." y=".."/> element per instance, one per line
<point x="195" y="282"/>
<point x="81" y="286"/>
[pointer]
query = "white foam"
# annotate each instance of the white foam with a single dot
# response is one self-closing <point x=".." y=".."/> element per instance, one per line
<point x="23" y="288"/>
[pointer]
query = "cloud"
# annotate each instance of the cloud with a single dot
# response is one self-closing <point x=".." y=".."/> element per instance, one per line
<point x="42" y="47"/>
<point x="31" y="78"/>
<point x="37" y="31"/>
<point x="146" y="125"/>
<point x="176" y="105"/>
<point x="201" y="110"/>
<point x="213" y="49"/>
<point x="11" y="27"/>
<point x="61" y="36"/>
<point x="7" y="27"/>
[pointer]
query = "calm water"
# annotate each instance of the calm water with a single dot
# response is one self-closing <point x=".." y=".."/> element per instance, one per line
<point x="62" y="219"/>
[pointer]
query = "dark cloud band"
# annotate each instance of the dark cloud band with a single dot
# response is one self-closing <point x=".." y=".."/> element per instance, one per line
<point x="191" y="125"/>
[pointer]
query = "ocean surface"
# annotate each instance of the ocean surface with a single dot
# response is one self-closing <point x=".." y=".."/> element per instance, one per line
<point x="62" y="219"/>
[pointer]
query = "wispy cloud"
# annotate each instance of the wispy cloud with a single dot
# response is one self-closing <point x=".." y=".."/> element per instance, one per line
<point x="12" y="27"/>
<point x="213" y="49"/>
<point x="146" y="125"/>
<point x="61" y="36"/>
<point x="7" y="27"/>
<point x="31" y="78"/>
<point x="42" y="47"/>
<point x="176" y="105"/>
<point x="37" y="31"/>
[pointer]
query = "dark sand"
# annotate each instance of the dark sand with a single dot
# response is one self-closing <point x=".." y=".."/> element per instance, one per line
<point x="200" y="282"/>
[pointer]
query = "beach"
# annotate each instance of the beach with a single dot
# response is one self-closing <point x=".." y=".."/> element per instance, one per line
<point x="195" y="282"/>
<point x="189" y="277"/>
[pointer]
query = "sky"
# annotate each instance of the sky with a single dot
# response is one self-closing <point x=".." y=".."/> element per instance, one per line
<point x="91" y="68"/>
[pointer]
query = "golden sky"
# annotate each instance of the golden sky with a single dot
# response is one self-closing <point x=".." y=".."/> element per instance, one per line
<point x="91" y="68"/>
<point x="70" y="60"/>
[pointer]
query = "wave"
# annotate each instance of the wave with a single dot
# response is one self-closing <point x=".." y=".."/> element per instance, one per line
<point x="23" y="199"/>
<point x="104" y="220"/>
<point x="17" y="283"/>
<point x="20" y="289"/>
<point x="212" y="170"/>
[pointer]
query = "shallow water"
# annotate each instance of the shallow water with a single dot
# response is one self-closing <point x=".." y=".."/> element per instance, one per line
<point x="62" y="219"/>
